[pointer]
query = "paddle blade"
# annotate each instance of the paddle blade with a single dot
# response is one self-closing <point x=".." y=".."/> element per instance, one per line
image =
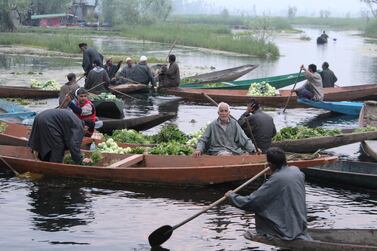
<point x="160" y="235"/>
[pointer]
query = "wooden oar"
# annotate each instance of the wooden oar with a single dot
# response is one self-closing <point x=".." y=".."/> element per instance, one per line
<point x="247" y="123"/>
<point x="9" y="166"/>
<point x="290" y="95"/>
<point x="121" y="93"/>
<point x="171" y="48"/>
<point x="162" y="234"/>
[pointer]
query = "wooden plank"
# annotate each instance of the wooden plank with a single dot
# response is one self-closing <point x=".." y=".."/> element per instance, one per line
<point x="129" y="161"/>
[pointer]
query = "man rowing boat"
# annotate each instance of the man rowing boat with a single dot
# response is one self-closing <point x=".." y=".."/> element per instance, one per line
<point x="279" y="204"/>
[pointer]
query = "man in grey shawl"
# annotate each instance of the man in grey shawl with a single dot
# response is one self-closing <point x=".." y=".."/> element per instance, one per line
<point x="279" y="204"/>
<point x="53" y="132"/>
<point x="224" y="136"/>
<point x="89" y="55"/>
<point x="142" y="73"/>
<point x="169" y="77"/>
<point x="312" y="89"/>
<point x="98" y="80"/>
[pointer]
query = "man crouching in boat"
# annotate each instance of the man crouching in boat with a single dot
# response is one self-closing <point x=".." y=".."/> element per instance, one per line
<point x="279" y="204"/>
<point x="53" y="132"/>
<point x="224" y="136"/>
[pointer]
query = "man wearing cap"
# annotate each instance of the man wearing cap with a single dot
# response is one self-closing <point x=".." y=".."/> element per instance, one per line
<point x="127" y="72"/>
<point x="84" y="109"/>
<point x="142" y="73"/>
<point x="89" y="55"/>
<point x="170" y="77"/>
<point x="260" y="124"/>
<point x="112" y="69"/>
<point x="68" y="88"/>
<point x="224" y="137"/>
<point x="98" y="80"/>
<point x="53" y="132"/>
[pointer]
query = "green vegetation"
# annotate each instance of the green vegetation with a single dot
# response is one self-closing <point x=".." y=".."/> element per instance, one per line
<point x="302" y="132"/>
<point x="63" y="43"/>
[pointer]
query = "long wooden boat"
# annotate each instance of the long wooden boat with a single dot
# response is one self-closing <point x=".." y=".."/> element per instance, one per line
<point x="342" y="107"/>
<point x="328" y="240"/>
<point x="349" y="93"/>
<point x="275" y="81"/>
<point x="220" y="76"/>
<point x="310" y="145"/>
<point x="26" y="92"/>
<point x="128" y="88"/>
<point x="352" y="173"/>
<point x="321" y="40"/>
<point x="171" y="170"/>
<point x="138" y="124"/>
<point x="109" y="108"/>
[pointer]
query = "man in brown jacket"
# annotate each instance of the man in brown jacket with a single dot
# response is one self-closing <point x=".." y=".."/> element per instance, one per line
<point x="170" y="77"/>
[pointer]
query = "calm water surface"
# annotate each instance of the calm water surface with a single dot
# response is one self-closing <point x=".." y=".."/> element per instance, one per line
<point x="66" y="214"/>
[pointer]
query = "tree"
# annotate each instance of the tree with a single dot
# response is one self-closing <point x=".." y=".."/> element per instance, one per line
<point x="41" y="7"/>
<point x="292" y="11"/>
<point x="224" y="13"/>
<point x="324" y="13"/>
<point x="372" y="4"/>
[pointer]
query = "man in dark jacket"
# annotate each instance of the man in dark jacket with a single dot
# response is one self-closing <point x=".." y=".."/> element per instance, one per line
<point x="89" y="55"/>
<point x="112" y="69"/>
<point x="97" y="78"/>
<point x="170" y="77"/>
<point x="261" y="125"/>
<point x="328" y="76"/>
<point x="142" y="73"/>
<point x="53" y="132"/>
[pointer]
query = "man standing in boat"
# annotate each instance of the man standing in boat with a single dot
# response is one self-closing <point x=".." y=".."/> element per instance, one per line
<point x="97" y="79"/>
<point x="224" y="136"/>
<point x="169" y="77"/>
<point x="279" y="204"/>
<point x="257" y="125"/>
<point x="89" y="56"/>
<point x="53" y="132"/>
<point x="328" y="76"/>
<point x="312" y="89"/>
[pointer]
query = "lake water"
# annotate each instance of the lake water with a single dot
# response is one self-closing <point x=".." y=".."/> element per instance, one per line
<point x="67" y="214"/>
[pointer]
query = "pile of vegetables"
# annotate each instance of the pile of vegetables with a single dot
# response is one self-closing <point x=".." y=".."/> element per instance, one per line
<point x="52" y="85"/>
<point x="130" y="137"/>
<point x="103" y="96"/>
<point x="110" y="146"/>
<point x="169" y="133"/>
<point x="366" y="129"/>
<point x="96" y="157"/>
<point x="195" y="136"/>
<point x="302" y="132"/>
<point x="3" y="126"/>
<point x="172" y="148"/>
<point x="261" y="89"/>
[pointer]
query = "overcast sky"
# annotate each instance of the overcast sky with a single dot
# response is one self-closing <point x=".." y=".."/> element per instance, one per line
<point x="304" y="7"/>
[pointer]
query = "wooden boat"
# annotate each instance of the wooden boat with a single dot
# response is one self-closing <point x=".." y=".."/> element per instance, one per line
<point x="220" y="76"/>
<point x="15" y="134"/>
<point x="138" y="124"/>
<point x="171" y="170"/>
<point x="109" y="108"/>
<point x="275" y="81"/>
<point x="128" y="88"/>
<point x="342" y="107"/>
<point x="26" y="92"/>
<point x="356" y="92"/>
<point x="328" y="240"/>
<point x="368" y="117"/>
<point x="311" y="145"/>
<point x="352" y="173"/>
<point x="321" y="40"/>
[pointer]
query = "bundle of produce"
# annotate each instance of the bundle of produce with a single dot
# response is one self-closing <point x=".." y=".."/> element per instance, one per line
<point x="49" y="85"/>
<point x="95" y="156"/>
<point x="170" y="133"/>
<point x="366" y="129"/>
<point x="130" y="137"/>
<point x="110" y="146"/>
<point x="195" y="136"/>
<point x="302" y="132"/>
<point x="261" y="89"/>
<point x="172" y="148"/>
<point x="103" y="96"/>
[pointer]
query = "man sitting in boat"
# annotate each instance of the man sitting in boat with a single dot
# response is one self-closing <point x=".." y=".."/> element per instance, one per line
<point x="53" y="132"/>
<point x="126" y="74"/>
<point x="112" y="69"/>
<point x="312" y="89"/>
<point x="261" y="127"/>
<point x="279" y="204"/>
<point x="98" y="80"/>
<point x="328" y="76"/>
<point x="70" y="87"/>
<point x="142" y="73"/>
<point x="84" y="109"/>
<point x="169" y="77"/>
<point x="224" y="136"/>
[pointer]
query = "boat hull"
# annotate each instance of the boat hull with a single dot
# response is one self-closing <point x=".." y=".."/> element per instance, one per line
<point x="342" y="107"/>
<point x="26" y="92"/>
<point x="168" y="170"/>
<point x="109" y="108"/>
